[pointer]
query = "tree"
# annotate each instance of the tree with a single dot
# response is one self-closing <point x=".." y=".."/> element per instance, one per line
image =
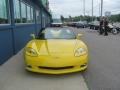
<point x="114" y="18"/>
<point x="81" y="18"/>
<point x="70" y="18"/>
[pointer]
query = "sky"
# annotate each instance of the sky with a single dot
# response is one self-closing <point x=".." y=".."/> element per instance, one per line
<point x="75" y="7"/>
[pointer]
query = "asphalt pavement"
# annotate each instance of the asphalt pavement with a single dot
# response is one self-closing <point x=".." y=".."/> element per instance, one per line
<point x="103" y="72"/>
<point x="13" y="76"/>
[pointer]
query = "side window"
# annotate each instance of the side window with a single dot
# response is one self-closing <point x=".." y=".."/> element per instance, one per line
<point x="17" y="11"/>
<point x="23" y="12"/>
<point x="4" y="12"/>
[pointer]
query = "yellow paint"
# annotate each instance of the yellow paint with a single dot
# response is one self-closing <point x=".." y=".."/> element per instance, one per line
<point x="55" y="53"/>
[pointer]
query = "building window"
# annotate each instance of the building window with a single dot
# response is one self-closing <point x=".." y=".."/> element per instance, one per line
<point x="17" y="11"/>
<point x="43" y="17"/>
<point x="4" y="12"/>
<point x="32" y="19"/>
<point x="23" y="13"/>
<point x="38" y="17"/>
<point x="28" y="14"/>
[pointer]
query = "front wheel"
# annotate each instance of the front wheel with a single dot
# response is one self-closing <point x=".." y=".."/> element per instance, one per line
<point x="114" y="31"/>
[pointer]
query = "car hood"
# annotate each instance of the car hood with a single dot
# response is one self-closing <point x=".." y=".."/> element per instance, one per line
<point x="54" y="47"/>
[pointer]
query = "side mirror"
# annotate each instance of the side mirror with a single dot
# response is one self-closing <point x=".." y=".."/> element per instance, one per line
<point x="32" y="36"/>
<point x="79" y="35"/>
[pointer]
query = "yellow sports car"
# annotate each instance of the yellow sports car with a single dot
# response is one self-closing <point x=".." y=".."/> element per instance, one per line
<point x="56" y="51"/>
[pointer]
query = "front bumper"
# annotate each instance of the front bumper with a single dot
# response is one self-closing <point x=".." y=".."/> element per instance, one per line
<point x="56" y="66"/>
<point x="62" y="71"/>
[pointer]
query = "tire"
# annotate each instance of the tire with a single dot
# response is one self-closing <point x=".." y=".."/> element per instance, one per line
<point x="114" y="31"/>
<point x="95" y="27"/>
<point x="90" y="27"/>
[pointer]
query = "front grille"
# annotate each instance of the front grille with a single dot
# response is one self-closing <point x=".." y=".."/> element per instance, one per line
<point x="56" y="68"/>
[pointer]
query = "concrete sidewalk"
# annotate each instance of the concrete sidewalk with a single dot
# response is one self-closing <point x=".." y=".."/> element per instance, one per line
<point x="14" y="77"/>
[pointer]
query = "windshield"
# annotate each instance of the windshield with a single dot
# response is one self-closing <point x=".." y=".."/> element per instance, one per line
<point x="57" y="34"/>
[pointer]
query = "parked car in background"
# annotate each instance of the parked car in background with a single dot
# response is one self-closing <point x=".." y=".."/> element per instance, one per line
<point x="113" y="28"/>
<point x="94" y="25"/>
<point x="69" y="24"/>
<point x="72" y="24"/>
<point x="82" y="24"/>
<point x="90" y="25"/>
<point x="57" y="23"/>
<point x="116" y="28"/>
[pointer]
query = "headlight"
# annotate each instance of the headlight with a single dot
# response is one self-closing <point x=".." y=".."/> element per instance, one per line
<point x="80" y="52"/>
<point x="31" y="51"/>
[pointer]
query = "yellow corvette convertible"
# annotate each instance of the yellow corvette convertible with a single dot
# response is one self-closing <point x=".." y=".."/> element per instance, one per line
<point x="56" y="51"/>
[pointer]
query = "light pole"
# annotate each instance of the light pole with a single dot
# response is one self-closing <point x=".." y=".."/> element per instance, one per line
<point x="92" y="10"/>
<point x="101" y="8"/>
<point x="84" y="7"/>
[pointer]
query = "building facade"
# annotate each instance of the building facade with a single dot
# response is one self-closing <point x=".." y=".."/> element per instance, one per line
<point x="18" y="19"/>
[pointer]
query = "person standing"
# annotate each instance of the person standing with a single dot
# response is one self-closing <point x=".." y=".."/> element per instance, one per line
<point x="103" y="26"/>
